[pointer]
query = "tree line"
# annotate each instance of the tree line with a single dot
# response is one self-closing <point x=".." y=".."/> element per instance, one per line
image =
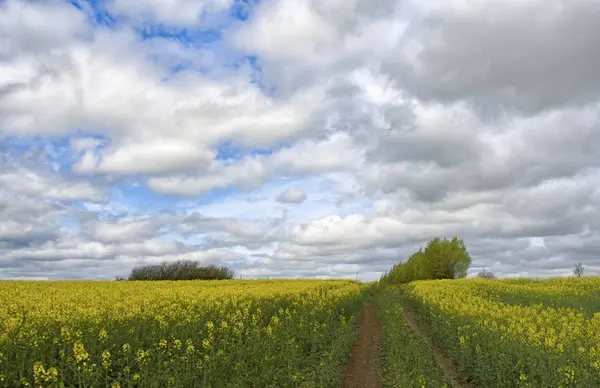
<point x="441" y="259"/>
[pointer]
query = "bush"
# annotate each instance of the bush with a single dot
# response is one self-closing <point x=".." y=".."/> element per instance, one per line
<point x="181" y="270"/>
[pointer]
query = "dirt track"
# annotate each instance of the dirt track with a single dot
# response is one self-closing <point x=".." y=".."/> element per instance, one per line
<point x="362" y="369"/>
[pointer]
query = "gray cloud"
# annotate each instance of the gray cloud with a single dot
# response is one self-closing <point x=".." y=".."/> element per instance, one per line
<point x="524" y="57"/>
<point x="518" y="153"/>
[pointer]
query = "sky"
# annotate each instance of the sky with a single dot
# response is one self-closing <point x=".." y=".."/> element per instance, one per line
<point x="298" y="138"/>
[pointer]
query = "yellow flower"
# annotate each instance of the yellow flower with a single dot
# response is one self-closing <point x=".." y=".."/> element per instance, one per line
<point x="102" y="336"/>
<point x="106" y="361"/>
<point x="41" y="375"/>
<point x="523" y="377"/>
<point x="81" y="355"/>
<point x="177" y="344"/>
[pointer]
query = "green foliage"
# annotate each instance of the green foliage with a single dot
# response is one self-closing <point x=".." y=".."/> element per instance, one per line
<point x="180" y="270"/>
<point x="441" y="259"/>
<point x="407" y="361"/>
<point x="447" y="259"/>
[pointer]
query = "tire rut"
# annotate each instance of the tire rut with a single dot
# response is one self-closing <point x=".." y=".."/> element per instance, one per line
<point x="362" y="369"/>
<point x="444" y="363"/>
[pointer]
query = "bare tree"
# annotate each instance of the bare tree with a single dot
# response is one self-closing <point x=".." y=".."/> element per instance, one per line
<point x="485" y="274"/>
<point x="578" y="270"/>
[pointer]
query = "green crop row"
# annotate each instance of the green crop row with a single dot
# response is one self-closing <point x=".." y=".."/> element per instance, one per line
<point x="407" y="361"/>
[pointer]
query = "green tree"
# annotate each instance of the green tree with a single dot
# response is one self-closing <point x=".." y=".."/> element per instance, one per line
<point x="441" y="259"/>
<point x="418" y="266"/>
<point x="447" y="259"/>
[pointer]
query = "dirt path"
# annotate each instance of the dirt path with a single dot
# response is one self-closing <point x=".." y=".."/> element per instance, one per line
<point x="444" y="363"/>
<point x="362" y="371"/>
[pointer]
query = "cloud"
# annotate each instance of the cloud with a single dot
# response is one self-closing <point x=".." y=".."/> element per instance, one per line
<point x="173" y="12"/>
<point x="32" y="184"/>
<point x="144" y="157"/>
<point x="124" y="230"/>
<point x="336" y="153"/>
<point x="515" y="56"/>
<point x="292" y="195"/>
<point x="185" y="130"/>
<point x="29" y="28"/>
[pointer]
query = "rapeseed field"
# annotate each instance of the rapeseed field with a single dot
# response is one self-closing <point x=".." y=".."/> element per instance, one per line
<point x="272" y="333"/>
<point x="515" y="333"/>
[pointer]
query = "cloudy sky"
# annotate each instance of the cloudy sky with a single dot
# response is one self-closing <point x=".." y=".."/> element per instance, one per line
<point x="297" y="138"/>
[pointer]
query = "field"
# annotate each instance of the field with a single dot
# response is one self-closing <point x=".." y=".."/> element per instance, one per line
<point x="300" y="333"/>
<point x="176" y="334"/>
<point x="514" y="333"/>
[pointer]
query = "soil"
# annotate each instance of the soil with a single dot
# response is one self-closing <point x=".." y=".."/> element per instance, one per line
<point x="443" y="361"/>
<point x="362" y="368"/>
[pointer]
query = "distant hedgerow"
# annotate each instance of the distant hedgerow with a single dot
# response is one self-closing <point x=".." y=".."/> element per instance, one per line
<point x="181" y="270"/>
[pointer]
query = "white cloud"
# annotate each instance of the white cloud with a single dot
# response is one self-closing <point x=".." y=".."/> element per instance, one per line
<point x="150" y="157"/>
<point x="336" y="153"/>
<point x="175" y="12"/>
<point x="123" y="231"/>
<point x="292" y="195"/>
<point x="29" y="28"/>
<point x="36" y="185"/>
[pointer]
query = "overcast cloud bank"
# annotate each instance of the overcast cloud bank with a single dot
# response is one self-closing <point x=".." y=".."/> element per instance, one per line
<point x="298" y="138"/>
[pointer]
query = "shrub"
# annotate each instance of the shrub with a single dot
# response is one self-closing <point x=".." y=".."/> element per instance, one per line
<point x="181" y="270"/>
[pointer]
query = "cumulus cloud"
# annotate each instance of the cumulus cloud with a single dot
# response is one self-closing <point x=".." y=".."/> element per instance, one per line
<point x="336" y="153"/>
<point x="292" y="195"/>
<point x="30" y="183"/>
<point x="28" y="28"/>
<point x="123" y="230"/>
<point x="181" y="131"/>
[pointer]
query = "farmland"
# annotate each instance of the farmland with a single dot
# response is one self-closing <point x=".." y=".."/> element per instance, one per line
<point x="166" y="334"/>
<point x="299" y="333"/>
<point x="514" y="333"/>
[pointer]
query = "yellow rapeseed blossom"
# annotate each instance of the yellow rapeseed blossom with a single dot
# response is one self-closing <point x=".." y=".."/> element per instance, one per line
<point x="106" y="361"/>
<point x="164" y="332"/>
<point x="545" y="322"/>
